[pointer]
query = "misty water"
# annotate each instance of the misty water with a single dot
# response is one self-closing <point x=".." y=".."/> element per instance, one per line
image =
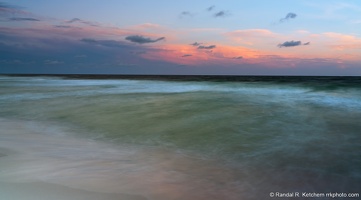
<point x="182" y="137"/>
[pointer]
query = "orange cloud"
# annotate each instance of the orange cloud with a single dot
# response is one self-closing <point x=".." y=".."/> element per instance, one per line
<point x="191" y="55"/>
<point x="257" y="44"/>
<point x="342" y="41"/>
<point x="336" y="45"/>
<point x="175" y="53"/>
<point x="324" y="45"/>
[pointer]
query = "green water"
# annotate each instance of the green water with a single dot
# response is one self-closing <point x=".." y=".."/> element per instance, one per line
<point x="279" y="128"/>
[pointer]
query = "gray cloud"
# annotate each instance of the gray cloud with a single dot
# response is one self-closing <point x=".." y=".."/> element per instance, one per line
<point x="186" y="55"/>
<point x="142" y="40"/>
<point x="238" y="57"/>
<point x="211" y="8"/>
<point x="292" y="44"/>
<point x="23" y="19"/>
<point x="4" y="7"/>
<point x="220" y="14"/>
<point x="207" y="47"/>
<point x="23" y="51"/>
<point x="73" y="20"/>
<point x="62" y="26"/>
<point x="77" y="20"/>
<point x="106" y="43"/>
<point x="196" y="44"/>
<point x="89" y="40"/>
<point x="7" y="10"/>
<point x="289" y="16"/>
<point x="186" y="14"/>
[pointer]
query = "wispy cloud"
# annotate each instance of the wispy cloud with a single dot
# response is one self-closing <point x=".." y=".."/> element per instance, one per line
<point x="5" y="5"/>
<point x="73" y="20"/>
<point x="334" y="9"/>
<point x="253" y="37"/>
<point x="186" y="14"/>
<point x="341" y="42"/>
<point x="289" y="16"/>
<point x="77" y="20"/>
<point x="147" y="26"/>
<point x="106" y="43"/>
<point x="142" y="40"/>
<point x="196" y="44"/>
<point x="252" y="33"/>
<point x="221" y="13"/>
<point x="292" y="44"/>
<point x="7" y="8"/>
<point x="59" y="42"/>
<point x="62" y="26"/>
<point x="211" y="8"/>
<point x="10" y="12"/>
<point x="22" y="19"/>
<point x="207" y="47"/>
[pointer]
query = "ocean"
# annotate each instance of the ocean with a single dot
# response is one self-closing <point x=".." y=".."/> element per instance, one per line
<point x="179" y="137"/>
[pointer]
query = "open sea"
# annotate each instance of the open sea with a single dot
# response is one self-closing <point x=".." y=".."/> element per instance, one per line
<point x="181" y="137"/>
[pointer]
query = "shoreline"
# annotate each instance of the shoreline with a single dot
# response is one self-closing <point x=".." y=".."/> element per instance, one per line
<point x="42" y="159"/>
<point x="41" y="164"/>
<point x="45" y="190"/>
<point x="27" y="172"/>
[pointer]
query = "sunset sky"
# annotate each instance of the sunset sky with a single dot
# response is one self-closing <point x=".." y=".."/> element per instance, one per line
<point x="228" y="37"/>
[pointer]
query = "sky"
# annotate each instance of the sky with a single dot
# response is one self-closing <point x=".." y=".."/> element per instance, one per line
<point x="228" y="37"/>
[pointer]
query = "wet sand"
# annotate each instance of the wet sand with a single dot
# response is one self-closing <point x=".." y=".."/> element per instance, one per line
<point x="36" y="166"/>
<point x="43" y="162"/>
<point x="42" y="190"/>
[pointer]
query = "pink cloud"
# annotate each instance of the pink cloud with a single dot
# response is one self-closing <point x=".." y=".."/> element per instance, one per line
<point x="147" y="26"/>
<point x="250" y="46"/>
<point x="251" y="36"/>
<point x="342" y="41"/>
<point x="251" y="33"/>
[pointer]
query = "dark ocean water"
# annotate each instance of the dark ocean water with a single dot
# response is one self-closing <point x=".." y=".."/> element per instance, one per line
<point x="265" y="134"/>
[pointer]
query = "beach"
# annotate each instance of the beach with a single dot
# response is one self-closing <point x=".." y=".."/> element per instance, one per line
<point x="183" y="138"/>
<point x="37" y="165"/>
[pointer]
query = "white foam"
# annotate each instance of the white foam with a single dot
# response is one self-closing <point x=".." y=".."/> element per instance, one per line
<point x="261" y="92"/>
